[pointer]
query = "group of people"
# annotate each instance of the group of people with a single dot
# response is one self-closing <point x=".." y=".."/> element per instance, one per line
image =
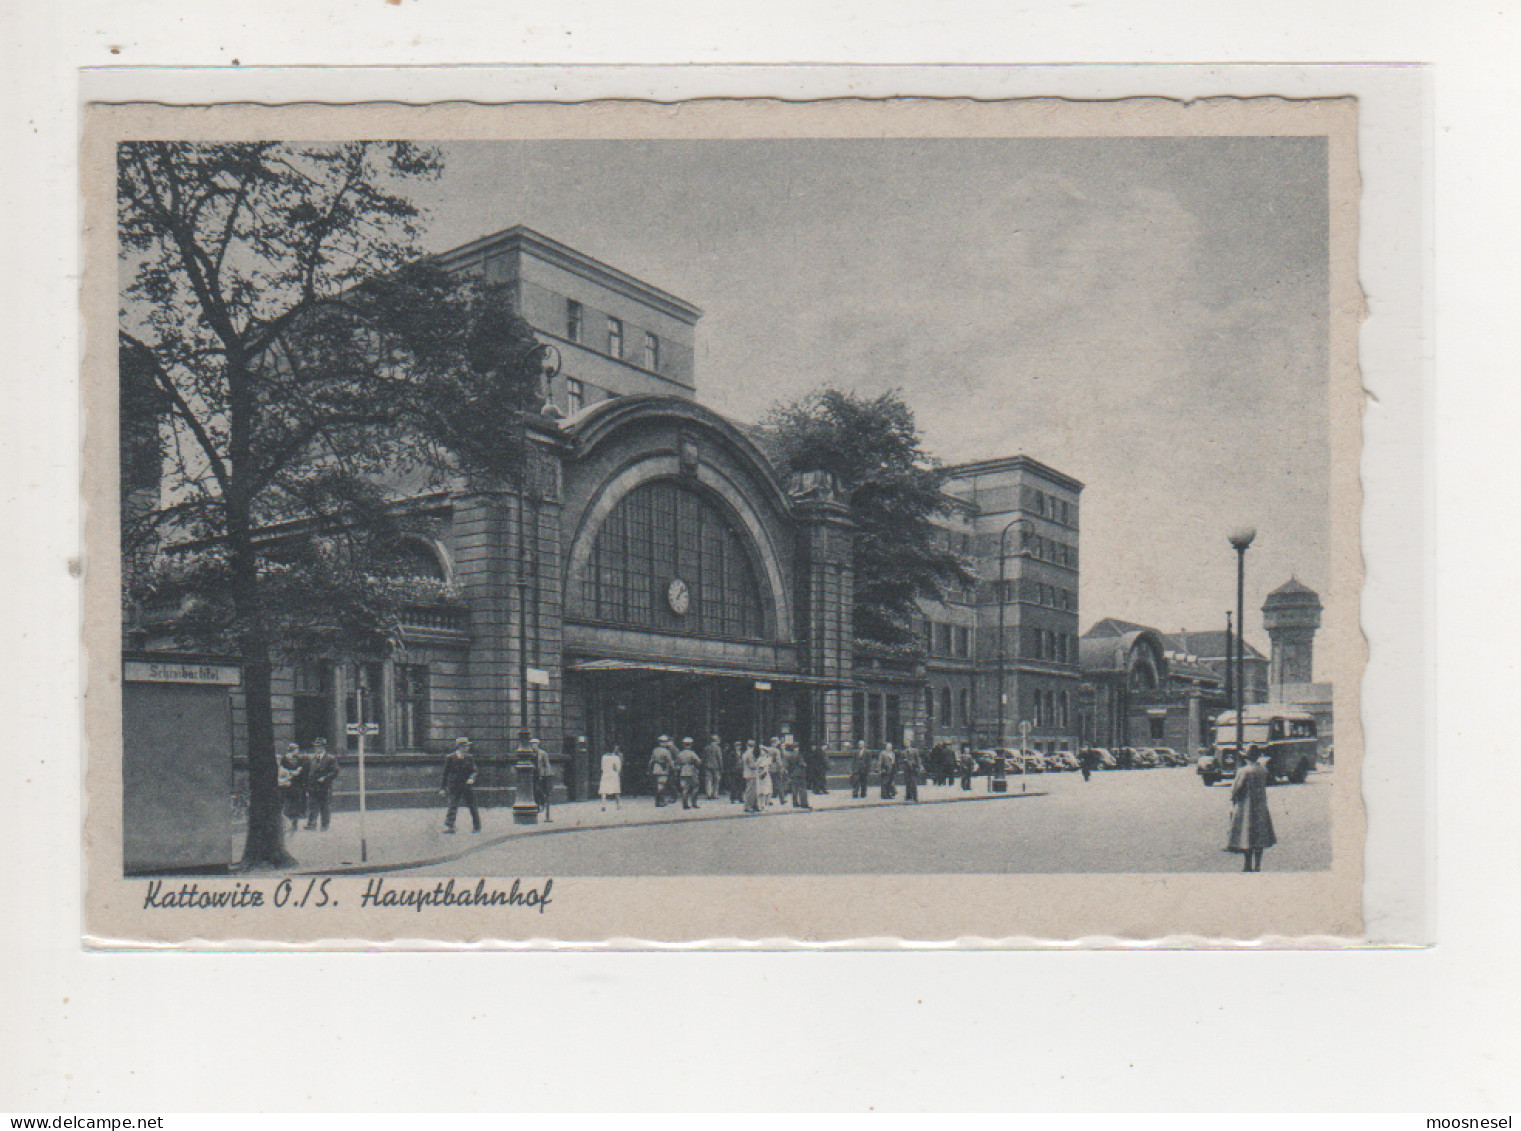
<point x="306" y="784"/>
<point x="755" y="774"/>
<point x="889" y="764"/>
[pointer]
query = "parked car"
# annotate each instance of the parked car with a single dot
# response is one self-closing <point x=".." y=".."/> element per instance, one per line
<point x="1169" y="756"/>
<point x="1102" y="759"/>
<point x="1069" y="762"/>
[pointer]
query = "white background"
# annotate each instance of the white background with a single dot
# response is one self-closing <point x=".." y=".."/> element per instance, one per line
<point x="1420" y="1030"/>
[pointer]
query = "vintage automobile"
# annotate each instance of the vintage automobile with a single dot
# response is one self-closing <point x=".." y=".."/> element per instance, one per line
<point x="1285" y="741"/>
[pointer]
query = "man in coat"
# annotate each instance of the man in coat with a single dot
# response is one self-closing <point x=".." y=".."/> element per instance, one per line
<point x="712" y="767"/>
<point x="887" y="767"/>
<point x="459" y="784"/>
<point x="688" y="773"/>
<point x="860" y="770"/>
<point x="662" y="763"/>
<point x="321" y="772"/>
<point x="911" y="768"/>
<point x="797" y="771"/>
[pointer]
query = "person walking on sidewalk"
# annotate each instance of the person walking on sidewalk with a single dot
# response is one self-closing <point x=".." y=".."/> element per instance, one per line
<point x="321" y="772"/>
<point x="292" y="770"/>
<point x="543" y="778"/>
<point x="751" y="774"/>
<point x="688" y="773"/>
<point x="967" y="765"/>
<point x="765" y="775"/>
<point x="662" y="763"/>
<point x="611" y="784"/>
<point x="1251" y="823"/>
<point x="712" y="767"/>
<point x="860" y="770"/>
<point x="911" y="768"/>
<point x="459" y="785"/>
<point x="818" y="768"/>
<point x="887" y="767"/>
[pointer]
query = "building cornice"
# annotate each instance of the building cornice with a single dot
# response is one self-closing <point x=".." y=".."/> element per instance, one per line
<point x="523" y="239"/>
<point x="1013" y="463"/>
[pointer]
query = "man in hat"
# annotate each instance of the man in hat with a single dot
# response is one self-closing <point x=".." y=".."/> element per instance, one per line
<point x="321" y="772"/>
<point x="797" y="773"/>
<point x="662" y="763"/>
<point x="292" y="771"/>
<point x="689" y="773"/>
<point x="459" y="784"/>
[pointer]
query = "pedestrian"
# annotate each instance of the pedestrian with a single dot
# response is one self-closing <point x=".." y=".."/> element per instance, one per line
<point x="818" y="768"/>
<point x="611" y="784"/>
<point x="765" y="777"/>
<point x="662" y="763"/>
<point x="911" y="768"/>
<point x="292" y="770"/>
<point x="967" y="765"/>
<point x="1251" y="823"/>
<point x="860" y="770"/>
<point x="781" y="781"/>
<point x="797" y="770"/>
<point x="1085" y="762"/>
<point x="734" y="771"/>
<point x="750" y="770"/>
<point x="887" y="766"/>
<point x="712" y="767"/>
<point x="688" y="773"/>
<point x="543" y="778"/>
<point x="321" y="772"/>
<point x="459" y="784"/>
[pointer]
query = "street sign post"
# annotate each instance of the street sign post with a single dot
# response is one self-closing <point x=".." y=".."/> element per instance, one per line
<point x="360" y="731"/>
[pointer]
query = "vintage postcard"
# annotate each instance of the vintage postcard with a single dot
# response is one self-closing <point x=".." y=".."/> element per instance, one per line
<point x="739" y="522"/>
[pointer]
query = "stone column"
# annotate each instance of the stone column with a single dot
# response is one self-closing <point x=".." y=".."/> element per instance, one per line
<point x="825" y="597"/>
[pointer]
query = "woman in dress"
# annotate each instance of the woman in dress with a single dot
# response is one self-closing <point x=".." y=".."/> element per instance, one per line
<point x="1251" y="823"/>
<point x="751" y="764"/>
<point x="612" y="778"/>
<point x="765" y="785"/>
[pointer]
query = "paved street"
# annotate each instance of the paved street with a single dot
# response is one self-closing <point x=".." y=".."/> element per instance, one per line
<point x="1160" y="820"/>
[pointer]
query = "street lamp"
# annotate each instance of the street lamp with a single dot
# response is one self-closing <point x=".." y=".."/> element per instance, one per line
<point x="1003" y="601"/>
<point x="1240" y="539"/>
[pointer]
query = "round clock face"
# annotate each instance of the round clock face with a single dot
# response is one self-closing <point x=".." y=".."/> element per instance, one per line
<point x="678" y="596"/>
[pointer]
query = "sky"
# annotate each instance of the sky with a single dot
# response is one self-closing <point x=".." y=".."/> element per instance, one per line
<point x="1146" y="315"/>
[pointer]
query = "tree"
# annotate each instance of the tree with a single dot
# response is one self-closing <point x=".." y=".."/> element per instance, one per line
<point x="873" y="449"/>
<point x="285" y="355"/>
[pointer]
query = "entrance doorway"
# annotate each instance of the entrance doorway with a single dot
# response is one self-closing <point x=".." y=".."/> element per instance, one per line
<point x="633" y="709"/>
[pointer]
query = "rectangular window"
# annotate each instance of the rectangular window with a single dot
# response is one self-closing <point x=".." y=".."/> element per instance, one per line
<point x="573" y="320"/>
<point x="966" y="710"/>
<point x="615" y="338"/>
<point x="651" y="352"/>
<point x="942" y="640"/>
<point x="313" y="688"/>
<point x="411" y="706"/>
<point x="364" y="683"/>
<point x="893" y="722"/>
<point x="858" y="716"/>
<point x="963" y="641"/>
<point x="575" y="395"/>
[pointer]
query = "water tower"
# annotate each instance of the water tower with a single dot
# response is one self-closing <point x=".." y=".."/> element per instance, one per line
<point x="1291" y="614"/>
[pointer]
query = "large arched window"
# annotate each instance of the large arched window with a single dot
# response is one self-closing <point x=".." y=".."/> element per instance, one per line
<point x="668" y="558"/>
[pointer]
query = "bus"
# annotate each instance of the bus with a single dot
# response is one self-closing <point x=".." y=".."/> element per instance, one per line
<point x="1285" y="739"/>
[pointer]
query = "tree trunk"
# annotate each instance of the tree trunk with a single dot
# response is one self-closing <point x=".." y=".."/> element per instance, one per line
<point x="265" y="845"/>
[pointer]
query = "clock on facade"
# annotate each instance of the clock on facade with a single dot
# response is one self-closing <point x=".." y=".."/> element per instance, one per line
<point x="678" y="596"/>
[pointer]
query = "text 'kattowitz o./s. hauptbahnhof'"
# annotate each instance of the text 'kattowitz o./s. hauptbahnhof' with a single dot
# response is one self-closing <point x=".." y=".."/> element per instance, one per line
<point x="656" y="575"/>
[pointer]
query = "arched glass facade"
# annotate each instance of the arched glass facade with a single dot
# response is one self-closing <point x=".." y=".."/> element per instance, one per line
<point x="667" y="558"/>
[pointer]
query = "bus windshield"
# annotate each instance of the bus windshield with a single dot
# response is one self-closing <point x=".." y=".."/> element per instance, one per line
<point x="1225" y="733"/>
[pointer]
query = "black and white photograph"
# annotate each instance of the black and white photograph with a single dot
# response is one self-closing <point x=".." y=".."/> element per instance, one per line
<point x="873" y="495"/>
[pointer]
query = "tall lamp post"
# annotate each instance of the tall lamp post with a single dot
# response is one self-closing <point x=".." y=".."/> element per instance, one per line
<point x="1003" y="603"/>
<point x="1240" y="540"/>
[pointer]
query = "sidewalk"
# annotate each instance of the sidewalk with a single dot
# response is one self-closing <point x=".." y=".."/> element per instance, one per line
<point x="410" y="838"/>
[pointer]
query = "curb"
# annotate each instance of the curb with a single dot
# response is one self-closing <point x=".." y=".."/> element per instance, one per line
<point x="503" y="838"/>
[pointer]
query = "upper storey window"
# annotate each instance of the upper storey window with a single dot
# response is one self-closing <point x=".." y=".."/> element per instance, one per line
<point x="573" y="320"/>
<point x="651" y="352"/>
<point x="615" y="338"/>
<point x="667" y="558"/>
